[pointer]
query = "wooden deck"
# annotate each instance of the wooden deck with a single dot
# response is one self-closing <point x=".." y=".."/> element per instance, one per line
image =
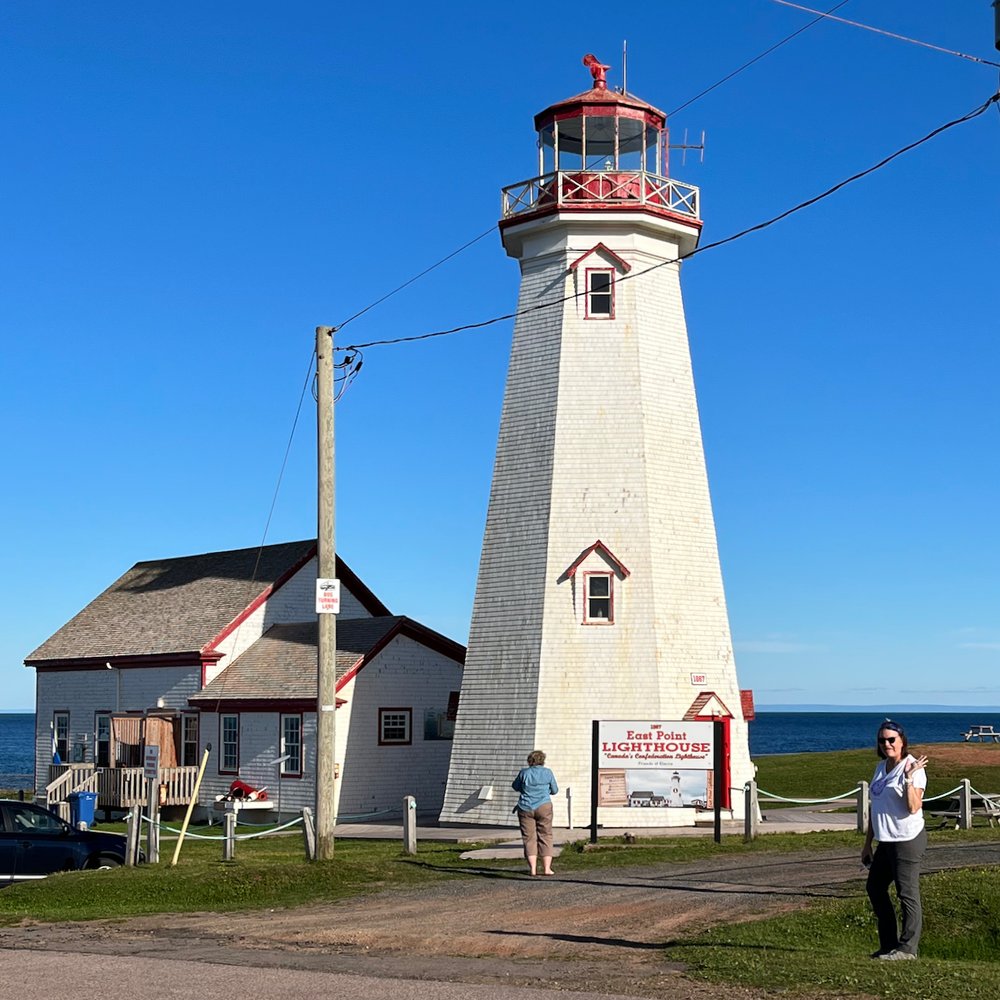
<point x="118" y="787"/>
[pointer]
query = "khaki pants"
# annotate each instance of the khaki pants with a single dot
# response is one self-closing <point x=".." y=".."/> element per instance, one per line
<point x="536" y="831"/>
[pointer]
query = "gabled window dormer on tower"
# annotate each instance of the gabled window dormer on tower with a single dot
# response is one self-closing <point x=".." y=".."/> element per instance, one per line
<point x="600" y="274"/>
<point x="595" y="575"/>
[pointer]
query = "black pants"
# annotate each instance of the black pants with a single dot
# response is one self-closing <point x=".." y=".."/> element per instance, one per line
<point x="897" y="862"/>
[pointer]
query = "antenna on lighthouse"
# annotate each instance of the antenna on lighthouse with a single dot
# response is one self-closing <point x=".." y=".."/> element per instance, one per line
<point x="625" y="64"/>
<point x="685" y="146"/>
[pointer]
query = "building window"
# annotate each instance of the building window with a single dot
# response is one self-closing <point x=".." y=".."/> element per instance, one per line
<point x="60" y="737"/>
<point x="394" y="726"/>
<point x="600" y="294"/>
<point x="598" y="599"/>
<point x="229" y="738"/>
<point x="189" y="740"/>
<point x="102" y="739"/>
<point x="291" y="745"/>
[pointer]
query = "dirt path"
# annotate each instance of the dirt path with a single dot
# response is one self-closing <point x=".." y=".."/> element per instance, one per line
<point x="600" y="930"/>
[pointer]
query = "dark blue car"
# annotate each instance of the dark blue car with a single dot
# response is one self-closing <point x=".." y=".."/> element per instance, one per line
<point x="35" y="842"/>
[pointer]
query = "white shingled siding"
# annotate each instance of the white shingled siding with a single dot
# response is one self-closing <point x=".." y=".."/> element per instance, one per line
<point x="599" y="439"/>
<point x="373" y="778"/>
<point x="84" y="692"/>
<point x="294" y="601"/>
<point x="259" y="740"/>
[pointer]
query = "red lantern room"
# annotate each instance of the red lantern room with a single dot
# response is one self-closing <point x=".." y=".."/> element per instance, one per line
<point x="601" y="150"/>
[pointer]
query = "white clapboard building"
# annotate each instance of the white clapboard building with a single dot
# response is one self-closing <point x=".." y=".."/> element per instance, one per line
<point x="219" y="649"/>
<point x="599" y="593"/>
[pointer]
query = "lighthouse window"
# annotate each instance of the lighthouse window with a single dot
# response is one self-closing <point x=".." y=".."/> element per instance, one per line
<point x="598" y="607"/>
<point x="600" y="294"/>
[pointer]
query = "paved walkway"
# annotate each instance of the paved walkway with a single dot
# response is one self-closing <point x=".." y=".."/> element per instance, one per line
<point x="506" y="841"/>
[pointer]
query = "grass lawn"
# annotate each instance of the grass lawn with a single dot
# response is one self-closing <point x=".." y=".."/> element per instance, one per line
<point x="827" y="945"/>
<point x="824" y="946"/>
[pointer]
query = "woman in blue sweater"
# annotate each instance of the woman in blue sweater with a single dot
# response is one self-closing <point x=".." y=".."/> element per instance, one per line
<point x="536" y="783"/>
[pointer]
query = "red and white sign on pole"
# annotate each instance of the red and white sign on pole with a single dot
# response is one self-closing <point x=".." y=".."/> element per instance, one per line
<point x="327" y="597"/>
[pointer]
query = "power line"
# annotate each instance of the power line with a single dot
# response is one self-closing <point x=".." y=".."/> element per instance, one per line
<point x="416" y="277"/>
<point x="882" y="31"/>
<point x="708" y="246"/>
<point x="766" y="52"/>
<point x="267" y="524"/>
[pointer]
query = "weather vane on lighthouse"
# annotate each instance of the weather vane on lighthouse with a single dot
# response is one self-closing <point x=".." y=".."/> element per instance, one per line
<point x="597" y="70"/>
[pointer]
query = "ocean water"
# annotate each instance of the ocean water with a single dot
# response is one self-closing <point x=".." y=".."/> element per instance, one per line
<point x="17" y="749"/>
<point x="798" y="732"/>
<point x="770" y="732"/>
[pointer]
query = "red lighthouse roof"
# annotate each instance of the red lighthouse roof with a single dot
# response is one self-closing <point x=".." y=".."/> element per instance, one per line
<point x="599" y="102"/>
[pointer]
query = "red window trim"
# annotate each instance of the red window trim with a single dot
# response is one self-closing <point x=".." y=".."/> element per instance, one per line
<point x="610" y="576"/>
<point x="396" y="743"/>
<point x="222" y="748"/>
<point x="586" y="298"/>
<point x="281" y="739"/>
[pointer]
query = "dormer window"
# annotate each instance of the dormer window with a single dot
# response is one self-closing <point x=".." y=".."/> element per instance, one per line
<point x="594" y="573"/>
<point x="598" y="598"/>
<point x="600" y="293"/>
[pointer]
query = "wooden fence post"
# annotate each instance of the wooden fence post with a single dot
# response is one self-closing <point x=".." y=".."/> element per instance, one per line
<point x="864" y="805"/>
<point x="133" y="830"/>
<point x="153" y="830"/>
<point x="309" y="832"/>
<point x="750" y="810"/>
<point x="229" y="831"/>
<point x="965" y="806"/>
<point x="409" y="824"/>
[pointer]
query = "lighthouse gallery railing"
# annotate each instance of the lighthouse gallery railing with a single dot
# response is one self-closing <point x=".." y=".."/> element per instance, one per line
<point x="589" y="187"/>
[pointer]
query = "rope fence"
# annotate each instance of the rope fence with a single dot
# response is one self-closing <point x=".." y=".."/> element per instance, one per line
<point x="961" y="803"/>
<point x="239" y="836"/>
<point x="771" y="797"/>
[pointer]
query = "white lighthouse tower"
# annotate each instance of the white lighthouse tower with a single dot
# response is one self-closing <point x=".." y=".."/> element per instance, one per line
<point x="599" y="593"/>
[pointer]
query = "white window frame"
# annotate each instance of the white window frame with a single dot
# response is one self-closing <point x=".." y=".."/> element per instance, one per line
<point x="394" y="719"/>
<point x="109" y="760"/>
<point x="60" y="725"/>
<point x="187" y="718"/>
<point x="291" y="768"/>
<point x="224" y="745"/>
<point x="588" y="579"/>
<point x="589" y="274"/>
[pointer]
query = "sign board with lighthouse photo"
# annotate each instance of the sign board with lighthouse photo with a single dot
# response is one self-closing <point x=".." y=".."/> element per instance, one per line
<point x="658" y="765"/>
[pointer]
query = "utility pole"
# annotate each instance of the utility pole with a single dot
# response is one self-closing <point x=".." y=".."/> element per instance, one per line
<point x="326" y="700"/>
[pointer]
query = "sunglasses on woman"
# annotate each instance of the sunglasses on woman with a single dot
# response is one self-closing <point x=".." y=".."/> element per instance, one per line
<point x="887" y="739"/>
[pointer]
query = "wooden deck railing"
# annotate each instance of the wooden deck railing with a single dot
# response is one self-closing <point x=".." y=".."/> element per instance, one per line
<point x="118" y="787"/>
<point x="66" y="778"/>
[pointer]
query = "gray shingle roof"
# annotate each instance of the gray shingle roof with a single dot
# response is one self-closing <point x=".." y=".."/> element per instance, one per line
<point x="171" y="605"/>
<point x="282" y="663"/>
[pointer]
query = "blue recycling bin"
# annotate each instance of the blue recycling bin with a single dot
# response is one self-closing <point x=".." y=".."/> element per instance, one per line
<point x="82" y="806"/>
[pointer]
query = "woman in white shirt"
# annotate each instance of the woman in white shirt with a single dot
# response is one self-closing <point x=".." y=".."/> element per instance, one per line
<point x="897" y="824"/>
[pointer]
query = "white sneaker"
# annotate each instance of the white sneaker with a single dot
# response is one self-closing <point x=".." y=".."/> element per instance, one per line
<point x="897" y="956"/>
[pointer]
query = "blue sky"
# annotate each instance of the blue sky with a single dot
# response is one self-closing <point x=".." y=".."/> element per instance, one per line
<point x="190" y="189"/>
